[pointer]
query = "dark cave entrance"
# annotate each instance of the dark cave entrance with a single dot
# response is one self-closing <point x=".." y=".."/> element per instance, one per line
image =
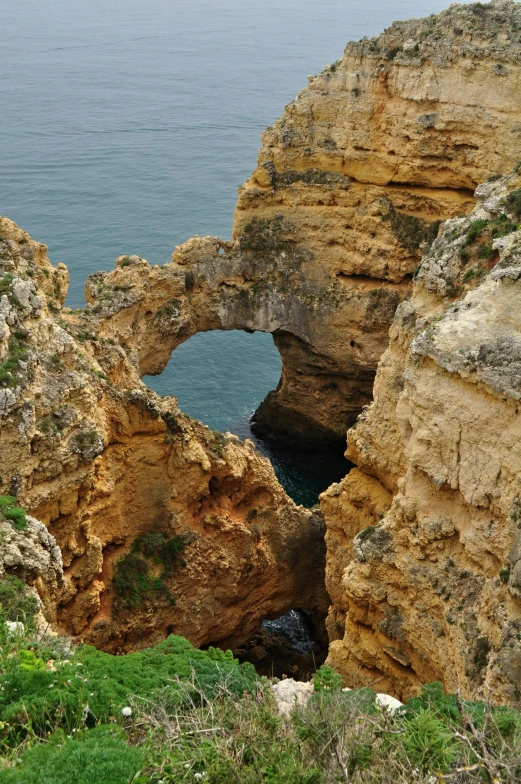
<point x="293" y="646"/>
<point x="220" y="378"/>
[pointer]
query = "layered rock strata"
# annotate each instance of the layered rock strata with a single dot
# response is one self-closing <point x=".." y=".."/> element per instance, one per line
<point x="351" y="184"/>
<point x="424" y="547"/>
<point x="381" y="145"/>
<point x="163" y="525"/>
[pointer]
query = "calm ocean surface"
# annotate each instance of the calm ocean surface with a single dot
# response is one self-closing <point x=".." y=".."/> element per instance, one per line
<point x="126" y="127"/>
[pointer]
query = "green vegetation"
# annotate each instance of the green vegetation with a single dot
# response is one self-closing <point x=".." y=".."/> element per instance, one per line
<point x="513" y="203"/>
<point x="476" y="229"/>
<point x="84" y="439"/>
<point x="84" y="334"/>
<point x="219" y="443"/>
<point x="428" y="742"/>
<point x="140" y="575"/>
<point x="482" y="255"/>
<point x="326" y="678"/>
<point x="411" y="231"/>
<point x="499" y="227"/>
<point x="175" y="714"/>
<point x="11" y="512"/>
<point x="311" y="177"/>
<point x="5" y="283"/>
<point x="15" y="603"/>
<point x="170" y="308"/>
<point x="366" y="533"/>
<point x="97" y="756"/>
<point x="267" y="237"/>
<point x="10" y="367"/>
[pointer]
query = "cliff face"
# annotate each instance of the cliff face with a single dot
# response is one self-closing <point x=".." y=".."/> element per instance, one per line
<point x="429" y="588"/>
<point x="163" y="525"/>
<point x="380" y="146"/>
<point x="352" y="182"/>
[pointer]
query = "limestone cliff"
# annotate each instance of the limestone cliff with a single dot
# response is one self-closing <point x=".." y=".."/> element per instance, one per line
<point x="381" y="145"/>
<point x="30" y="553"/>
<point x="163" y="525"/>
<point x="351" y="184"/>
<point x="424" y="558"/>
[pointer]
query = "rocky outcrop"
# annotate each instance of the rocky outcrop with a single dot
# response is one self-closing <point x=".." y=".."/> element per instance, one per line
<point x="351" y="184"/>
<point x="423" y="537"/>
<point x="163" y="525"/>
<point x="381" y="145"/>
<point x="31" y="554"/>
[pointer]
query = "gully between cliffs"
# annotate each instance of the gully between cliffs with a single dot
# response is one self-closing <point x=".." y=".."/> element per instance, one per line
<point x="165" y="526"/>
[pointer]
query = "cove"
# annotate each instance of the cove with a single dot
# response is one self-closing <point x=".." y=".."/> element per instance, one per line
<point x="220" y="378"/>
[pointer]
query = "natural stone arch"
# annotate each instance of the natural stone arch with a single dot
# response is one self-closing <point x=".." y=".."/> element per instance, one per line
<point x="329" y="333"/>
<point x="351" y="182"/>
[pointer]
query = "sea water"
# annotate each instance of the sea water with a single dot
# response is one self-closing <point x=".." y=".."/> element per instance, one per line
<point x="126" y="127"/>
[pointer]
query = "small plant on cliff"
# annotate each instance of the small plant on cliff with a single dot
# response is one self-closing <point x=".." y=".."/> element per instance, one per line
<point x="267" y="237"/>
<point x="326" y="679"/>
<point x="11" y="366"/>
<point x="513" y="203"/>
<point x="16" y="604"/>
<point x="219" y="443"/>
<point x="13" y="513"/>
<point x="137" y="576"/>
<point x="410" y="231"/>
<point x="476" y="229"/>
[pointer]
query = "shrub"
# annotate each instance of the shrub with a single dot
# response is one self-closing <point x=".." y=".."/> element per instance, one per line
<point x="502" y="226"/>
<point x="10" y="367"/>
<point x="513" y="203"/>
<point x="98" y="756"/>
<point x="476" y="229"/>
<point x="9" y="511"/>
<point x="266" y="236"/>
<point x="219" y="443"/>
<point x="326" y="678"/>
<point x="15" y="603"/>
<point x="231" y="741"/>
<point x="428" y="743"/>
<point x="94" y="686"/>
<point x="486" y="251"/>
<point x="133" y="580"/>
<point x="411" y="231"/>
<point x="444" y="705"/>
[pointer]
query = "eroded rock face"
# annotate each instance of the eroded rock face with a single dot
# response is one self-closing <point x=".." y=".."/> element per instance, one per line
<point x="32" y="555"/>
<point x="381" y="145"/>
<point x="200" y="537"/>
<point x="429" y="589"/>
<point x="351" y="183"/>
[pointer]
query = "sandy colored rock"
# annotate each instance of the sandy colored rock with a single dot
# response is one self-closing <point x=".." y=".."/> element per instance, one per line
<point x="290" y="694"/>
<point x="431" y="588"/>
<point x="101" y="460"/>
<point x="381" y="145"/>
<point x="351" y="183"/>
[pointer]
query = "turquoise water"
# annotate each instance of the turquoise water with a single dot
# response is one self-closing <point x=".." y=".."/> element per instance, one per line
<point x="126" y="127"/>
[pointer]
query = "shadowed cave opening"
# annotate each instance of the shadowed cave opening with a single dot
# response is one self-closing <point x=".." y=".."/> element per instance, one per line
<point x="293" y="646"/>
<point x="220" y="378"/>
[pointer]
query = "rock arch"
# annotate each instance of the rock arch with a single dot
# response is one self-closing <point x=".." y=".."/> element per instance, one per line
<point x="351" y="183"/>
<point x="267" y="285"/>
